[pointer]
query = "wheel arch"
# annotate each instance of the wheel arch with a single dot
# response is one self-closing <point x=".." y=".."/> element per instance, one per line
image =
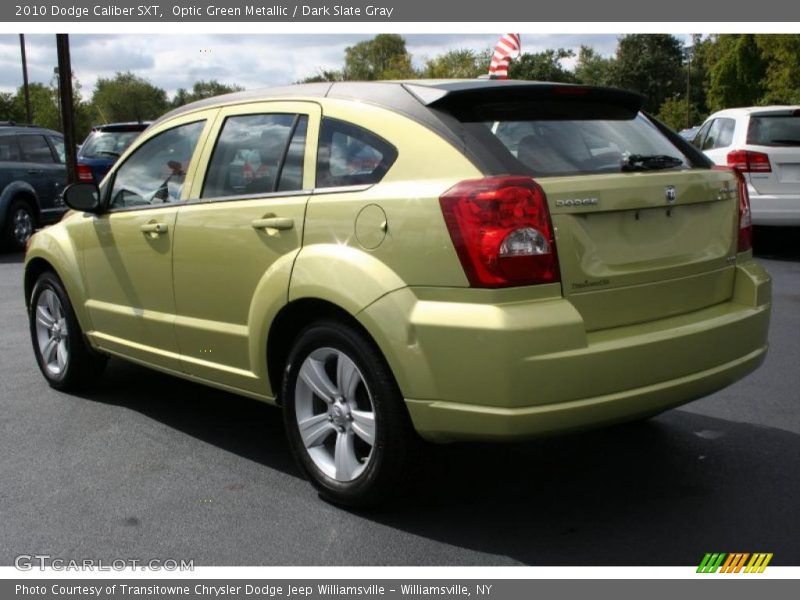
<point x="18" y="190"/>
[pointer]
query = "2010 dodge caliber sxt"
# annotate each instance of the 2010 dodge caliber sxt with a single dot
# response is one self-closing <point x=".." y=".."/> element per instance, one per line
<point x="450" y="260"/>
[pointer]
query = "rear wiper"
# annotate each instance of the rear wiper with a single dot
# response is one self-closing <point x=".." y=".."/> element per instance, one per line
<point x="107" y="152"/>
<point x="647" y="162"/>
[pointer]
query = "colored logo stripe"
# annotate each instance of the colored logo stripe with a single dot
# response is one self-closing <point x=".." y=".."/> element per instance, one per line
<point x="734" y="562"/>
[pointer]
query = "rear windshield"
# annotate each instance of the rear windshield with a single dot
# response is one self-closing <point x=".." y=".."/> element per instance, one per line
<point x="778" y="130"/>
<point x="108" y="144"/>
<point x="577" y="146"/>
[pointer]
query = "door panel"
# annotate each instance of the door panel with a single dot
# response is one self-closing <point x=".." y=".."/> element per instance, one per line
<point x="129" y="263"/>
<point x="127" y="253"/>
<point x="238" y="241"/>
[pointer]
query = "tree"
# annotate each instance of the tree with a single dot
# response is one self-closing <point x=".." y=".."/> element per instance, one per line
<point x="383" y="57"/>
<point x="323" y="75"/>
<point x="456" y="64"/>
<point x="651" y="64"/>
<point x="542" y="66"/>
<point x="592" y="68"/>
<point x="673" y="113"/>
<point x="126" y="97"/>
<point x="781" y="54"/>
<point x="735" y="71"/>
<point x="202" y="90"/>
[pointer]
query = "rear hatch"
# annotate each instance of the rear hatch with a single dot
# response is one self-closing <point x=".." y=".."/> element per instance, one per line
<point x="643" y="228"/>
<point x="776" y="134"/>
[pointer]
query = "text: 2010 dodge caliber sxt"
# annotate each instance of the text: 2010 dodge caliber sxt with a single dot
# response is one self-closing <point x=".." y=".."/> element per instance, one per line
<point x="462" y="260"/>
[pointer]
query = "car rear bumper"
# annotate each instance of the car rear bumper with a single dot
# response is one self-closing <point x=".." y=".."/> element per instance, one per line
<point x="775" y="210"/>
<point x="527" y="369"/>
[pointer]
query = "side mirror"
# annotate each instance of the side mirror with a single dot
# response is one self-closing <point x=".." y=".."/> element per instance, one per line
<point x="83" y="196"/>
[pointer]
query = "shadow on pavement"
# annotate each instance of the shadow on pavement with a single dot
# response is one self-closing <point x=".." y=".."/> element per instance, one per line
<point x="7" y="258"/>
<point x="662" y="492"/>
<point x="778" y="243"/>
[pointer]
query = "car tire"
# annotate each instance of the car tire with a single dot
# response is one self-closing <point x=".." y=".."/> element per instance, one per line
<point x="20" y="225"/>
<point x="345" y="417"/>
<point x="63" y="356"/>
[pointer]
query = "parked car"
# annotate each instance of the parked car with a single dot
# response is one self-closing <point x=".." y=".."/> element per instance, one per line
<point x="689" y="133"/>
<point x="32" y="178"/>
<point x="763" y="143"/>
<point x="103" y="146"/>
<point x="473" y="260"/>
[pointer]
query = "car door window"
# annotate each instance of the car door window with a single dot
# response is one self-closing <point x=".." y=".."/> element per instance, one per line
<point x="351" y="155"/>
<point x="155" y="172"/>
<point x="9" y="149"/>
<point x="58" y="146"/>
<point x="250" y="154"/>
<point x="36" y="149"/>
<point x="698" y="139"/>
<point x="720" y="134"/>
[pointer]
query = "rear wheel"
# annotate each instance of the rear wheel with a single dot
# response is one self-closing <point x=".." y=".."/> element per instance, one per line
<point x="20" y="225"/>
<point x="345" y="417"/>
<point x="65" y="360"/>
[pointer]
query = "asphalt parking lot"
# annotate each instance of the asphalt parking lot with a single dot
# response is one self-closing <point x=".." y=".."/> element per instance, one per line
<point x="148" y="466"/>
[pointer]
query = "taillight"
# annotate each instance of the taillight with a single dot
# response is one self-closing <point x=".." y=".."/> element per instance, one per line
<point x="85" y="173"/>
<point x="745" y="218"/>
<point x="501" y="230"/>
<point x="748" y="161"/>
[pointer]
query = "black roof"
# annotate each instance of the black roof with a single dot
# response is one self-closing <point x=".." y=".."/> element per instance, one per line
<point x="26" y="128"/>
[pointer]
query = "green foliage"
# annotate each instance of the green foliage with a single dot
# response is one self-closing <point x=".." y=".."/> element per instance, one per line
<point x="594" y="69"/>
<point x="323" y="75"/>
<point x="542" y="66"/>
<point x="127" y="97"/>
<point x="781" y="53"/>
<point x="673" y="113"/>
<point x="202" y="90"/>
<point x="383" y="57"/>
<point x="651" y="64"/>
<point x="456" y="64"/>
<point x="736" y="72"/>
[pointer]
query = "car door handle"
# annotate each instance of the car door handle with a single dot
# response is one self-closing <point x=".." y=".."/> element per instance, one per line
<point x="35" y="171"/>
<point x="154" y="228"/>
<point x="273" y="223"/>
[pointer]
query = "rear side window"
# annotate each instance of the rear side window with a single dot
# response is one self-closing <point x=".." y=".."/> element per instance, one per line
<point x="350" y="155"/>
<point x="779" y="130"/>
<point x="250" y="152"/>
<point x="36" y="149"/>
<point x="720" y="134"/>
<point x="576" y="146"/>
<point x="9" y="149"/>
<point x="58" y="146"/>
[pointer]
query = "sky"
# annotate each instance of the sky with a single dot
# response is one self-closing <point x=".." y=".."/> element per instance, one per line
<point x="248" y="60"/>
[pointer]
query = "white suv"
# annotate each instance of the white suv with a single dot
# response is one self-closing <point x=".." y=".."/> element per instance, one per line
<point x="763" y="142"/>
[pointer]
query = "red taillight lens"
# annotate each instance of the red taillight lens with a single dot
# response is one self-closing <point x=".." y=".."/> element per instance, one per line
<point x="85" y="173"/>
<point x="745" y="219"/>
<point x="501" y="230"/>
<point x="748" y="161"/>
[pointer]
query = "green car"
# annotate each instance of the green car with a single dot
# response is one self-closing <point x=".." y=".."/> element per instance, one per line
<point x="394" y="262"/>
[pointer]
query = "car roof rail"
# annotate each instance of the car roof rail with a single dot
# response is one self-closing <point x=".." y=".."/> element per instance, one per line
<point x="15" y="124"/>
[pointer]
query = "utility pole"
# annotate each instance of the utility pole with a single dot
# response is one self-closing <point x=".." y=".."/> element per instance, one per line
<point x="27" y="93"/>
<point x="689" y="50"/>
<point x="65" y="101"/>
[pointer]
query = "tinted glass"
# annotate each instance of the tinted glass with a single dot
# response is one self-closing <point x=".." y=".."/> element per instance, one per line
<point x="774" y="131"/>
<point x="698" y="139"/>
<point x="248" y="155"/>
<point x="351" y="155"/>
<point x="36" y="149"/>
<point x="155" y="172"/>
<point x="9" y="149"/>
<point x="567" y="147"/>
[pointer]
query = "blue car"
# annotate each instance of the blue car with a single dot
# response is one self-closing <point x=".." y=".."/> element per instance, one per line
<point x="103" y="147"/>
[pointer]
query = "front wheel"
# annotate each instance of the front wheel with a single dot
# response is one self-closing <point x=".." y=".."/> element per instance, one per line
<point x="345" y="417"/>
<point x="65" y="360"/>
